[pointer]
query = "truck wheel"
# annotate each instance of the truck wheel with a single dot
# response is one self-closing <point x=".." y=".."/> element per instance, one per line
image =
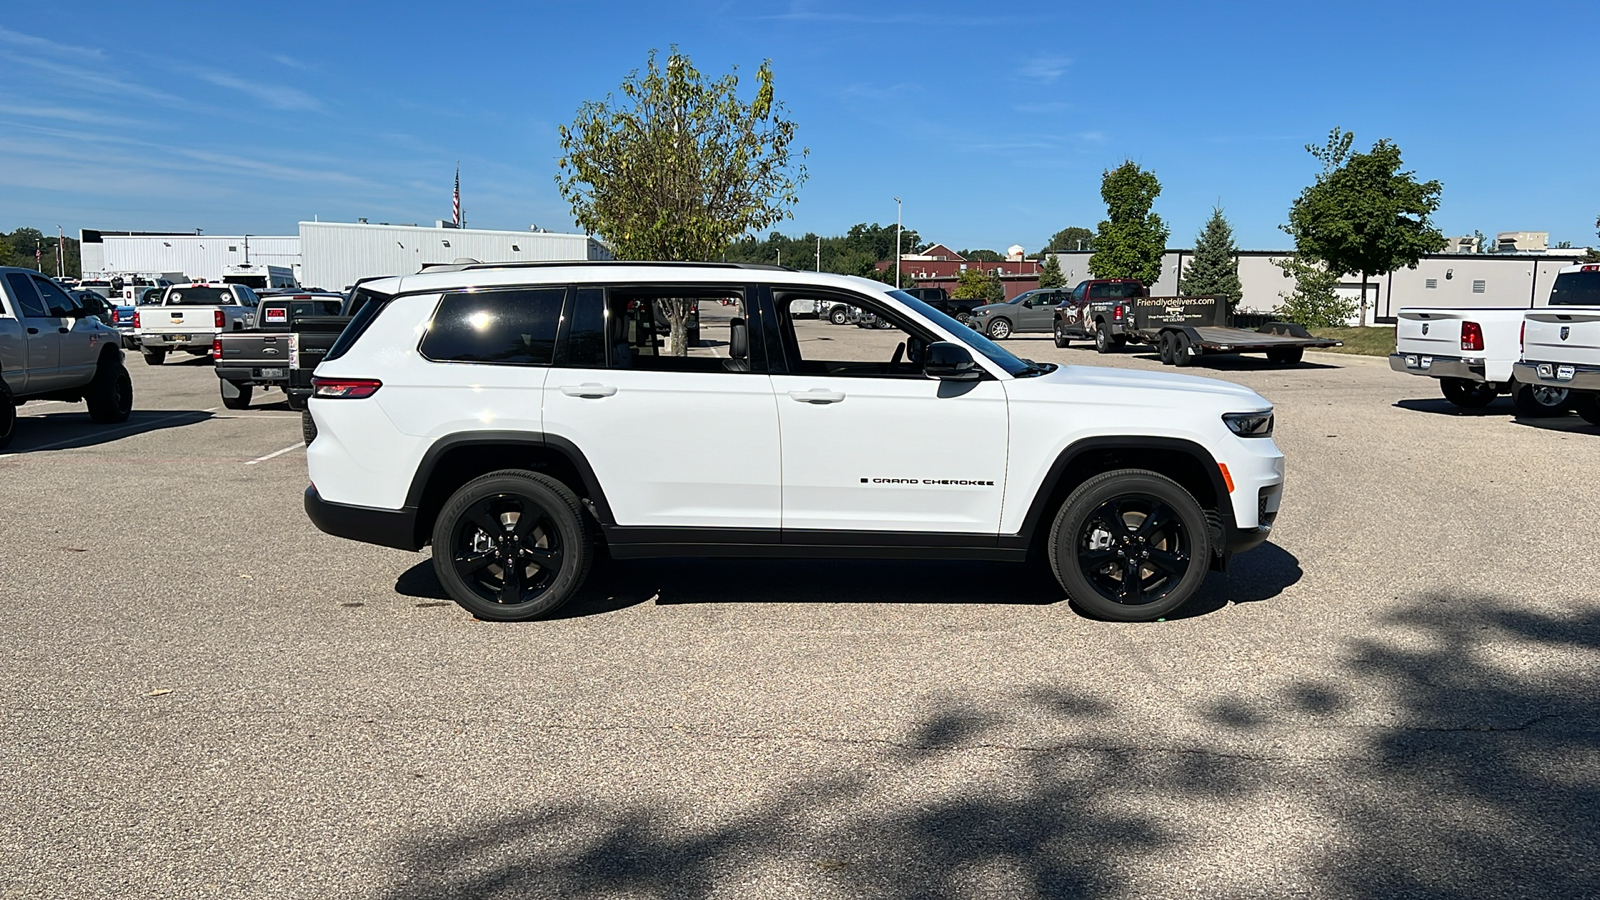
<point x="154" y="357"/>
<point x="1102" y="339"/>
<point x="8" y="415"/>
<point x="1180" y="350"/>
<point x="236" y="395"/>
<point x="1286" y="356"/>
<point x="1000" y="329"/>
<point x="308" y="427"/>
<point x="1585" y="405"/>
<point x="1536" y="401"/>
<point x="1163" y="344"/>
<point x="1062" y="341"/>
<point x="296" y="402"/>
<point x="1130" y="545"/>
<point x="110" y="394"/>
<point x="838" y="316"/>
<point x="1468" y="394"/>
<point x="511" y="545"/>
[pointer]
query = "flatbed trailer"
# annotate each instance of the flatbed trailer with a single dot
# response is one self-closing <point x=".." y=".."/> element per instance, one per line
<point x="1183" y="329"/>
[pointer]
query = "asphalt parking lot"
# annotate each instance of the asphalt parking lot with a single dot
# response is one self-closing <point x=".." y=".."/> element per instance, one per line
<point x="1394" y="697"/>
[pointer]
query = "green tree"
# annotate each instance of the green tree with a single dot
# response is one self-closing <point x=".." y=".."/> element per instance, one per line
<point x="853" y="253"/>
<point x="1314" y="301"/>
<point x="886" y="275"/>
<point x="1132" y="239"/>
<point x="1214" y="269"/>
<point x="1485" y="245"/>
<point x="1363" y="214"/>
<point x="680" y="166"/>
<point x="976" y="284"/>
<point x="981" y="256"/>
<point x="1593" y="254"/>
<point x="1050" y="275"/>
<point x="1070" y="238"/>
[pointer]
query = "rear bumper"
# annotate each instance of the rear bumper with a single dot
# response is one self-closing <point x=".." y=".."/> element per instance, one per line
<point x="198" y="340"/>
<point x="1441" y="367"/>
<point x="1584" y="378"/>
<point x="249" y="373"/>
<point x="395" y="528"/>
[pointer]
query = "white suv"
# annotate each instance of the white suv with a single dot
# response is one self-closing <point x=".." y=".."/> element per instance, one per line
<point x="514" y="415"/>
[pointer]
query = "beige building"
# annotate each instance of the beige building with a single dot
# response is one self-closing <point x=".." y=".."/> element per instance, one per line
<point x="1522" y="241"/>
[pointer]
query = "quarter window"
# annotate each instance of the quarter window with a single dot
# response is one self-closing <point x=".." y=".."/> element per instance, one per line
<point x="59" y="302"/>
<point x="508" y="328"/>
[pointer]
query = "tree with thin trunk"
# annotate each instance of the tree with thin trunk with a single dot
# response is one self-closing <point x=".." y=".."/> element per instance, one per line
<point x="1363" y="214"/>
<point x="1132" y="239"/>
<point x="679" y="167"/>
<point x="1214" y="269"/>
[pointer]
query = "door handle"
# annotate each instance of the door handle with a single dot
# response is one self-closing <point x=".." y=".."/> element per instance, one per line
<point x="818" y="396"/>
<point x="588" y="391"/>
<point x="33" y="331"/>
<point x="62" y="330"/>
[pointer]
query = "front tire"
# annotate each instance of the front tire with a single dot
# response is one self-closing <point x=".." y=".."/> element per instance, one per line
<point x="838" y="316"/>
<point x="511" y="545"/>
<point x="1468" y="394"/>
<point x="110" y="395"/>
<point x="1538" y="401"/>
<point x="8" y="415"/>
<point x="154" y="357"/>
<point x="1062" y="341"/>
<point x="236" y="395"/>
<point x="1130" y="545"/>
<point x="1000" y="329"/>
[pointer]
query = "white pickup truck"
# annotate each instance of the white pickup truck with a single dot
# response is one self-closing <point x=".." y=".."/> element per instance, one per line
<point x="1561" y="342"/>
<point x="190" y="316"/>
<point x="1471" y="352"/>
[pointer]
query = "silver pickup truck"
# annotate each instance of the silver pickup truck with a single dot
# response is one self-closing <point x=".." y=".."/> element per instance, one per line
<point x="189" y="317"/>
<point x="1561" y="342"/>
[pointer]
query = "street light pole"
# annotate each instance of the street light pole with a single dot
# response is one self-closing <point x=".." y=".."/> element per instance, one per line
<point x="897" y="243"/>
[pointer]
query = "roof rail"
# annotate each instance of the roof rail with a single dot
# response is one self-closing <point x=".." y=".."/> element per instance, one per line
<point x="460" y="267"/>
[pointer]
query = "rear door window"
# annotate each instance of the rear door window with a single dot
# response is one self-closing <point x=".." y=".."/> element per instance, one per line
<point x="508" y="328"/>
<point x="60" y="303"/>
<point x="22" y="293"/>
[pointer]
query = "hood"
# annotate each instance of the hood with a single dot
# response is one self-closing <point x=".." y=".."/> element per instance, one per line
<point x="1183" y="389"/>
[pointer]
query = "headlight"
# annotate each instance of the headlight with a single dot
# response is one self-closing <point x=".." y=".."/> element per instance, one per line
<point x="1251" y="424"/>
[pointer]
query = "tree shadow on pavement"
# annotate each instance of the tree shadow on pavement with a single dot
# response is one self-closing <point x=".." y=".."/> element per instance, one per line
<point x="1454" y="755"/>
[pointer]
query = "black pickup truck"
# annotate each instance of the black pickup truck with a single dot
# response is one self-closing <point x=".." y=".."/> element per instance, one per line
<point x="940" y="299"/>
<point x="292" y="334"/>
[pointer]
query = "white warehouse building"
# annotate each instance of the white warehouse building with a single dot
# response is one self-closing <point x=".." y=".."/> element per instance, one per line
<point x="329" y="255"/>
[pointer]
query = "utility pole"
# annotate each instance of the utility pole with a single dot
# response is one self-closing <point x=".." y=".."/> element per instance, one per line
<point x="819" y="253"/>
<point x="61" y="256"/>
<point x="897" y="243"/>
<point x="247" y="249"/>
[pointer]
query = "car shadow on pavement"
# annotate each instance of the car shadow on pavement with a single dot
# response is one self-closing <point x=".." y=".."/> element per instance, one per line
<point x="1502" y="407"/>
<point x="1260" y="574"/>
<point x="75" y="430"/>
<point x="1418" y="765"/>
<point x="1236" y="363"/>
<point x="1571" y="424"/>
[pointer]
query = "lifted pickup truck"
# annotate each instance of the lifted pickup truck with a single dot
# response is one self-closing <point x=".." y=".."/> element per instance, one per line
<point x="268" y="356"/>
<point x="1561" y="343"/>
<point x="1183" y="329"/>
<point x="1472" y="353"/>
<point x="190" y="316"/>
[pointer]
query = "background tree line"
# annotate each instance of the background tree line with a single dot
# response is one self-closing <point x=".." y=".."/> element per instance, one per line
<point x="856" y="252"/>
<point x="18" y="249"/>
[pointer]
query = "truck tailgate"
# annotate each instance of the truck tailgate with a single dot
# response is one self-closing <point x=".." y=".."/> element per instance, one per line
<point x="1562" y="334"/>
<point x="256" y="349"/>
<point x="177" y="319"/>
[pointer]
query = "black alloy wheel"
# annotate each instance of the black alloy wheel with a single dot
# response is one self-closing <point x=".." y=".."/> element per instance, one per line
<point x="1468" y="394"/>
<point x="511" y="545"/>
<point x="1537" y="401"/>
<point x="1130" y="545"/>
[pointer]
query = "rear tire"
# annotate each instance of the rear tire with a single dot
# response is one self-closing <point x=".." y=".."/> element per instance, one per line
<point x="1101" y="550"/>
<point x="8" y="415"/>
<point x="240" y="394"/>
<point x="1103" y="342"/>
<point x="154" y="357"/>
<point x="508" y="522"/>
<point x="1180" y="350"/>
<point x="1538" y="401"/>
<point x="1286" y="356"/>
<point x="1062" y="341"/>
<point x="1468" y="394"/>
<point x="308" y="427"/>
<point x="110" y="394"/>
<point x="1585" y="405"/>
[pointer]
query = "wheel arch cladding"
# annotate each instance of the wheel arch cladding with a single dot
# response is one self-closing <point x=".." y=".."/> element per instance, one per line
<point x="453" y="461"/>
<point x="1185" y="462"/>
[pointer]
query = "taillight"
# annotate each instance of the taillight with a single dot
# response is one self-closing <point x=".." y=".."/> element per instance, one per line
<point x="1117" y="312"/>
<point x="216" y="317"/>
<point x="1471" y="336"/>
<point x="136" y="318"/>
<point x="344" y="388"/>
<point x="1522" y="336"/>
<point x="216" y="348"/>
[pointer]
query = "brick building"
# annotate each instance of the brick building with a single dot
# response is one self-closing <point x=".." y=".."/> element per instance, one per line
<point x="939" y="266"/>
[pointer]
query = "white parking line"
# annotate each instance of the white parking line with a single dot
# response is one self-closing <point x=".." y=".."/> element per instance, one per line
<point x="99" y="436"/>
<point x="276" y="454"/>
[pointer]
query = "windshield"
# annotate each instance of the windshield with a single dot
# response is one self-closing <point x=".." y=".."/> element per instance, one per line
<point x="995" y="353"/>
<point x="200" y="296"/>
<point x="1577" y="288"/>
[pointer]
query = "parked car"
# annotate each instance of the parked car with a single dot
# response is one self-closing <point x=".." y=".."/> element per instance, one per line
<point x="1098" y="309"/>
<point x="1472" y="352"/>
<point x="1033" y="311"/>
<point x="514" y="416"/>
<point x="268" y="355"/>
<point x="956" y="308"/>
<point x="1561" y="342"/>
<point x="54" y="348"/>
<point x="190" y="316"/>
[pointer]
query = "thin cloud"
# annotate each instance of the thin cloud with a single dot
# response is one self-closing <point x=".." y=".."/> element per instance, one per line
<point x="273" y="95"/>
<point x="291" y="62"/>
<point x="1045" y="69"/>
<point x="40" y="44"/>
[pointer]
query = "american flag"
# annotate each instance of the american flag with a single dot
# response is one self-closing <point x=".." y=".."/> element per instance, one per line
<point x="455" y="203"/>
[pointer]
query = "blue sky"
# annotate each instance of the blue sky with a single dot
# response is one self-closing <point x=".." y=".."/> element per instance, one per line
<point x="993" y="126"/>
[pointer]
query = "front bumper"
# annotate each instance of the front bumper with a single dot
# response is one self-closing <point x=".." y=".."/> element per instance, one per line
<point x="395" y="528"/>
<point x="1441" y="367"/>
<point x="1584" y="378"/>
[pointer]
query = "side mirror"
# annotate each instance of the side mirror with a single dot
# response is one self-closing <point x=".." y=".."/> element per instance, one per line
<point x="1028" y="304"/>
<point x="951" y="362"/>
